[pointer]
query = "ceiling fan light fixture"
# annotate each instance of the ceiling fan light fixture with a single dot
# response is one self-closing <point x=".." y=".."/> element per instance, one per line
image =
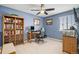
<point x="42" y="11"/>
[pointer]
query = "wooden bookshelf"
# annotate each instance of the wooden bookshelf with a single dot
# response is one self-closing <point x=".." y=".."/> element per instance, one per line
<point x="13" y="28"/>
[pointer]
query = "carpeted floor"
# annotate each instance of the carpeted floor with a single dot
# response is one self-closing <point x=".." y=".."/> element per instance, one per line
<point x="50" y="46"/>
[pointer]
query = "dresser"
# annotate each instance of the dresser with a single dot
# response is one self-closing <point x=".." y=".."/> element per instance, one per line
<point x="69" y="44"/>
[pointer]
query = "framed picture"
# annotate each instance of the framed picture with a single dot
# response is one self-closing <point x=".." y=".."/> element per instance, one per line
<point x="49" y="21"/>
<point x="36" y="21"/>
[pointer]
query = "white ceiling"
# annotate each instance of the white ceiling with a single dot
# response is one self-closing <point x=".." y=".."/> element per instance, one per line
<point x="27" y="8"/>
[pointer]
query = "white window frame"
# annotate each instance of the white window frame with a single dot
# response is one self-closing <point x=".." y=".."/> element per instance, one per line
<point x="66" y="22"/>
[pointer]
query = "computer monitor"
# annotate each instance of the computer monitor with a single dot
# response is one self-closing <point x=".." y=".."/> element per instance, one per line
<point x="32" y="28"/>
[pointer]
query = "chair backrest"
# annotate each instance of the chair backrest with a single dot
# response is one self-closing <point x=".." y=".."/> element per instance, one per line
<point x="42" y="31"/>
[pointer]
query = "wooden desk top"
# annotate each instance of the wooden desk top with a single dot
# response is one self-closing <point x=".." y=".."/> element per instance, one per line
<point x="36" y="32"/>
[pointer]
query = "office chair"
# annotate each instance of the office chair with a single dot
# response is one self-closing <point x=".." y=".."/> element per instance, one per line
<point x="39" y="37"/>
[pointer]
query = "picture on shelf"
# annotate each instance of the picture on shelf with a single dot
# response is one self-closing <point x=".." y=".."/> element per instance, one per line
<point x="8" y="26"/>
<point x="10" y="20"/>
<point x="17" y="31"/>
<point x="19" y="27"/>
<point x="18" y="21"/>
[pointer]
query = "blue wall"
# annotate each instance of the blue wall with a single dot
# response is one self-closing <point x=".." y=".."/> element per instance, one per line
<point x="0" y="23"/>
<point x="53" y="30"/>
<point x="28" y="18"/>
<point x="0" y="31"/>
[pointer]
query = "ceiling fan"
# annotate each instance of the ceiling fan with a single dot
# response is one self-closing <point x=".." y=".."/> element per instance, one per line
<point x="43" y="10"/>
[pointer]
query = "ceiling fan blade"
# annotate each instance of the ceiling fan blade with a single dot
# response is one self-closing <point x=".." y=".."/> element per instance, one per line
<point x="38" y="13"/>
<point x="50" y="9"/>
<point x="35" y="10"/>
<point x="46" y="13"/>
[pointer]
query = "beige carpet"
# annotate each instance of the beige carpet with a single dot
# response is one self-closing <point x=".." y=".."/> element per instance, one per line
<point x="50" y="46"/>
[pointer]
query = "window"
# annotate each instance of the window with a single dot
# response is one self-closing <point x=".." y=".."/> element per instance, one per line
<point x="36" y="21"/>
<point x="66" y="22"/>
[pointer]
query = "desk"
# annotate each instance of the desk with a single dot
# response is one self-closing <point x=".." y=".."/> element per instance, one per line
<point x="31" y="35"/>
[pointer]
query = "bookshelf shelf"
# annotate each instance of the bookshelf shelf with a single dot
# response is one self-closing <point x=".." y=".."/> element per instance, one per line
<point x="13" y="28"/>
<point x="8" y="23"/>
<point x="9" y="29"/>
